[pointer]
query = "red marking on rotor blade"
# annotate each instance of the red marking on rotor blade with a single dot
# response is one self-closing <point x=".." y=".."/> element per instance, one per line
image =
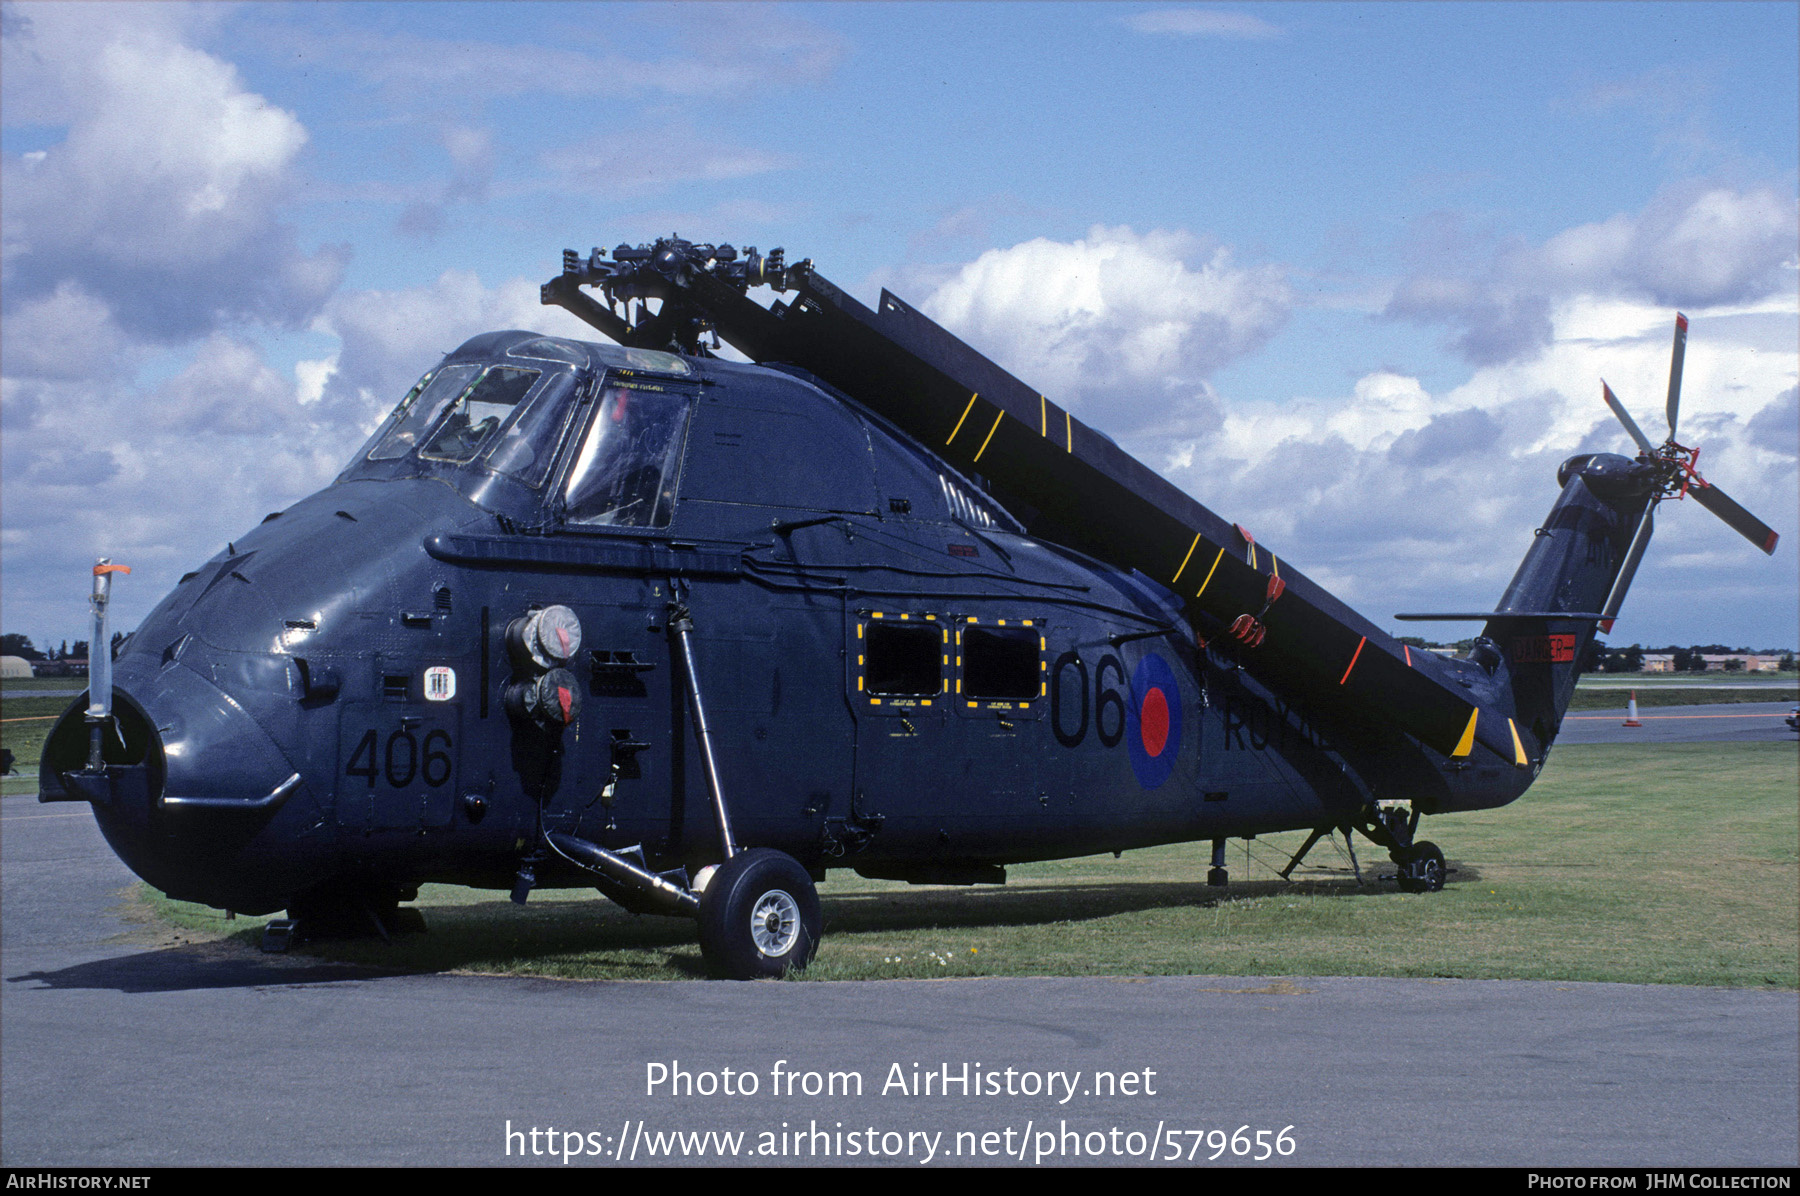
<point x="1248" y="538"/>
<point x="1769" y="544"/>
<point x="1353" y="658"/>
<point x="1406" y="648"/>
<point x="1681" y="321"/>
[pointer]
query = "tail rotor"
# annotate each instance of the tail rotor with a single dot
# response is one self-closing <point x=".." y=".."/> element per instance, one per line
<point x="1677" y="476"/>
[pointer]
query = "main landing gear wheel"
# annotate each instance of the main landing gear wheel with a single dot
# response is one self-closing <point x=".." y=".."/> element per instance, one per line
<point x="759" y="916"/>
<point x="1422" y="871"/>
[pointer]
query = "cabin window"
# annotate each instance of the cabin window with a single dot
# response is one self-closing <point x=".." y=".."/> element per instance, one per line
<point x="1001" y="662"/>
<point x="625" y="473"/>
<point x="1000" y="665"/>
<point x="419" y="410"/>
<point x="477" y="414"/>
<point x="902" y="659"/>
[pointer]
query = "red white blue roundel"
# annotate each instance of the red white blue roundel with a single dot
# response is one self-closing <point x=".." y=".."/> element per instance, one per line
<point x="1153" y="721"/>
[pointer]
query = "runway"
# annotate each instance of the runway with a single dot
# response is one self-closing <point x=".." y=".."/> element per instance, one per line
<point x="117" y="1051"/>
<point x="1736" y="722"/>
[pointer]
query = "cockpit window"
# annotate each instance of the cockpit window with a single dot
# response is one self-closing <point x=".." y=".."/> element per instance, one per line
<point x="419" y="410"/>
<point x="528" y="446"/>
<point x="475" y="418"/>
<point x="625" y="473"/>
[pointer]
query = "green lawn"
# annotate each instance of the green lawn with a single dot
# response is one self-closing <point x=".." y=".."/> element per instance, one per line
<point x="1675" y="864"/>
<point x="28" y="718"/>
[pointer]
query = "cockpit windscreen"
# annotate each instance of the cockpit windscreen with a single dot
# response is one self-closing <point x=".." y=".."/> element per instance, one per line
<point x="477" y="414"/>
<point x="419" y="410"/>
<point x="625" y="473"/>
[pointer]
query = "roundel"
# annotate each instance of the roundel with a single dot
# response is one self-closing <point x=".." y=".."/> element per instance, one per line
<point x="1153" y="721"/>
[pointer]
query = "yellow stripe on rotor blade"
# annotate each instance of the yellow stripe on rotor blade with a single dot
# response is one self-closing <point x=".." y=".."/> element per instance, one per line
<point x="1186" y="559"/>
<point x="1069" y="431"/>
<point x="1043" y="416"/>
<point x="998" y="416"/>
<point x="1466" y="744"/>
<point x="1209" y="573"/>
<point x="965" y="415"/>
<point x="1519" y="759"/>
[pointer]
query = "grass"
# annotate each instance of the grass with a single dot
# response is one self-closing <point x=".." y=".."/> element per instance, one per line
<point x="35" y="714"/>
<point x="1674" y="863"/>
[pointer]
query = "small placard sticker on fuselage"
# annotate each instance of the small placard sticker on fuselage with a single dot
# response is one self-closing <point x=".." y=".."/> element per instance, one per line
<point x="440" y="683"/>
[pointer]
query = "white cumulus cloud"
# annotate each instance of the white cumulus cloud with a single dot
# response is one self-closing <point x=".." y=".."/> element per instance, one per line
<point x="1135" y="322"/>
<point x="1692" y="246"/>
<point x="162" y="195"/>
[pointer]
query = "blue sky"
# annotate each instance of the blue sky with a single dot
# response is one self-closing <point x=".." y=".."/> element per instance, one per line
<point x="1350" y="274"/>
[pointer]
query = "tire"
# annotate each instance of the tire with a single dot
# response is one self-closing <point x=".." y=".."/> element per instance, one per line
<point x="759" y="917"/>
<point x="1423" y="870"/>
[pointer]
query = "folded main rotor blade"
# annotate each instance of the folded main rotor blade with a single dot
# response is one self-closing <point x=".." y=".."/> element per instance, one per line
<point x="1675" y="358"/>
<point x="1618" y="409"/>
<point x="1741" y="521"/>
<point x="1640" y="540"/>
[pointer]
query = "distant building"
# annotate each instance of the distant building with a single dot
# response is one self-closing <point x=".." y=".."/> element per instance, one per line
<point x="68" y="666"/>
<point x="1751" y="664"/>
<point x="1659" y="662"/>
<point x="12" y="667"/>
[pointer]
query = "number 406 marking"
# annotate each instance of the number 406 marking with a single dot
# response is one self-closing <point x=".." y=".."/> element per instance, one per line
<point x="403" y="758"/>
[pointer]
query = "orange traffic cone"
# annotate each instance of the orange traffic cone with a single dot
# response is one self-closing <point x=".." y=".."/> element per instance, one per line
<point x="1631" y="718"/>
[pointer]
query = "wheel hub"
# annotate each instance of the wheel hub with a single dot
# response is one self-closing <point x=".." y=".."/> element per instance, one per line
<point x="775" y="923"/>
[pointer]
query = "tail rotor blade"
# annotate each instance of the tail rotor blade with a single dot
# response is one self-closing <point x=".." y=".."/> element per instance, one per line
<point x="1676" y="355"/>
<point x="1618" y="409"/>
<point x="1740" y="521"/>
<point x="1640" y="540"/>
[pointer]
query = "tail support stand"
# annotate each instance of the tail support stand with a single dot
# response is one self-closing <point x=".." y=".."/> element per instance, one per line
<point x="1350" y="846"/>
<point x="1217" y="877"/>
<point x="1319" y="832"/>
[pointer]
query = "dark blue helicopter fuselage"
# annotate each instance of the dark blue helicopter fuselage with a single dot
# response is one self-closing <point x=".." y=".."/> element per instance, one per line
<point x="896" y="677"/>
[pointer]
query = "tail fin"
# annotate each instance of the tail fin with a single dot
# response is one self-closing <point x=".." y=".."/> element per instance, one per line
<point x="1570" y="585"/>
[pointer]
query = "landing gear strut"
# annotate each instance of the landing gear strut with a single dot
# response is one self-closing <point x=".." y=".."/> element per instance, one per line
<point x="1420" y="865"/>
<point x="758" y="910"/>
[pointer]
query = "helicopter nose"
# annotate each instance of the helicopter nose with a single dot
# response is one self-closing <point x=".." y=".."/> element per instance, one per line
<point x="192" y="792"/>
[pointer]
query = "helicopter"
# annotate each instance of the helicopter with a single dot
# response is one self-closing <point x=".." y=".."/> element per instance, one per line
<point x="694" y="632"/>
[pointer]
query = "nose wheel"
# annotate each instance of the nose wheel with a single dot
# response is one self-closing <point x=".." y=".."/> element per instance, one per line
<point x="759" y="916"/>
